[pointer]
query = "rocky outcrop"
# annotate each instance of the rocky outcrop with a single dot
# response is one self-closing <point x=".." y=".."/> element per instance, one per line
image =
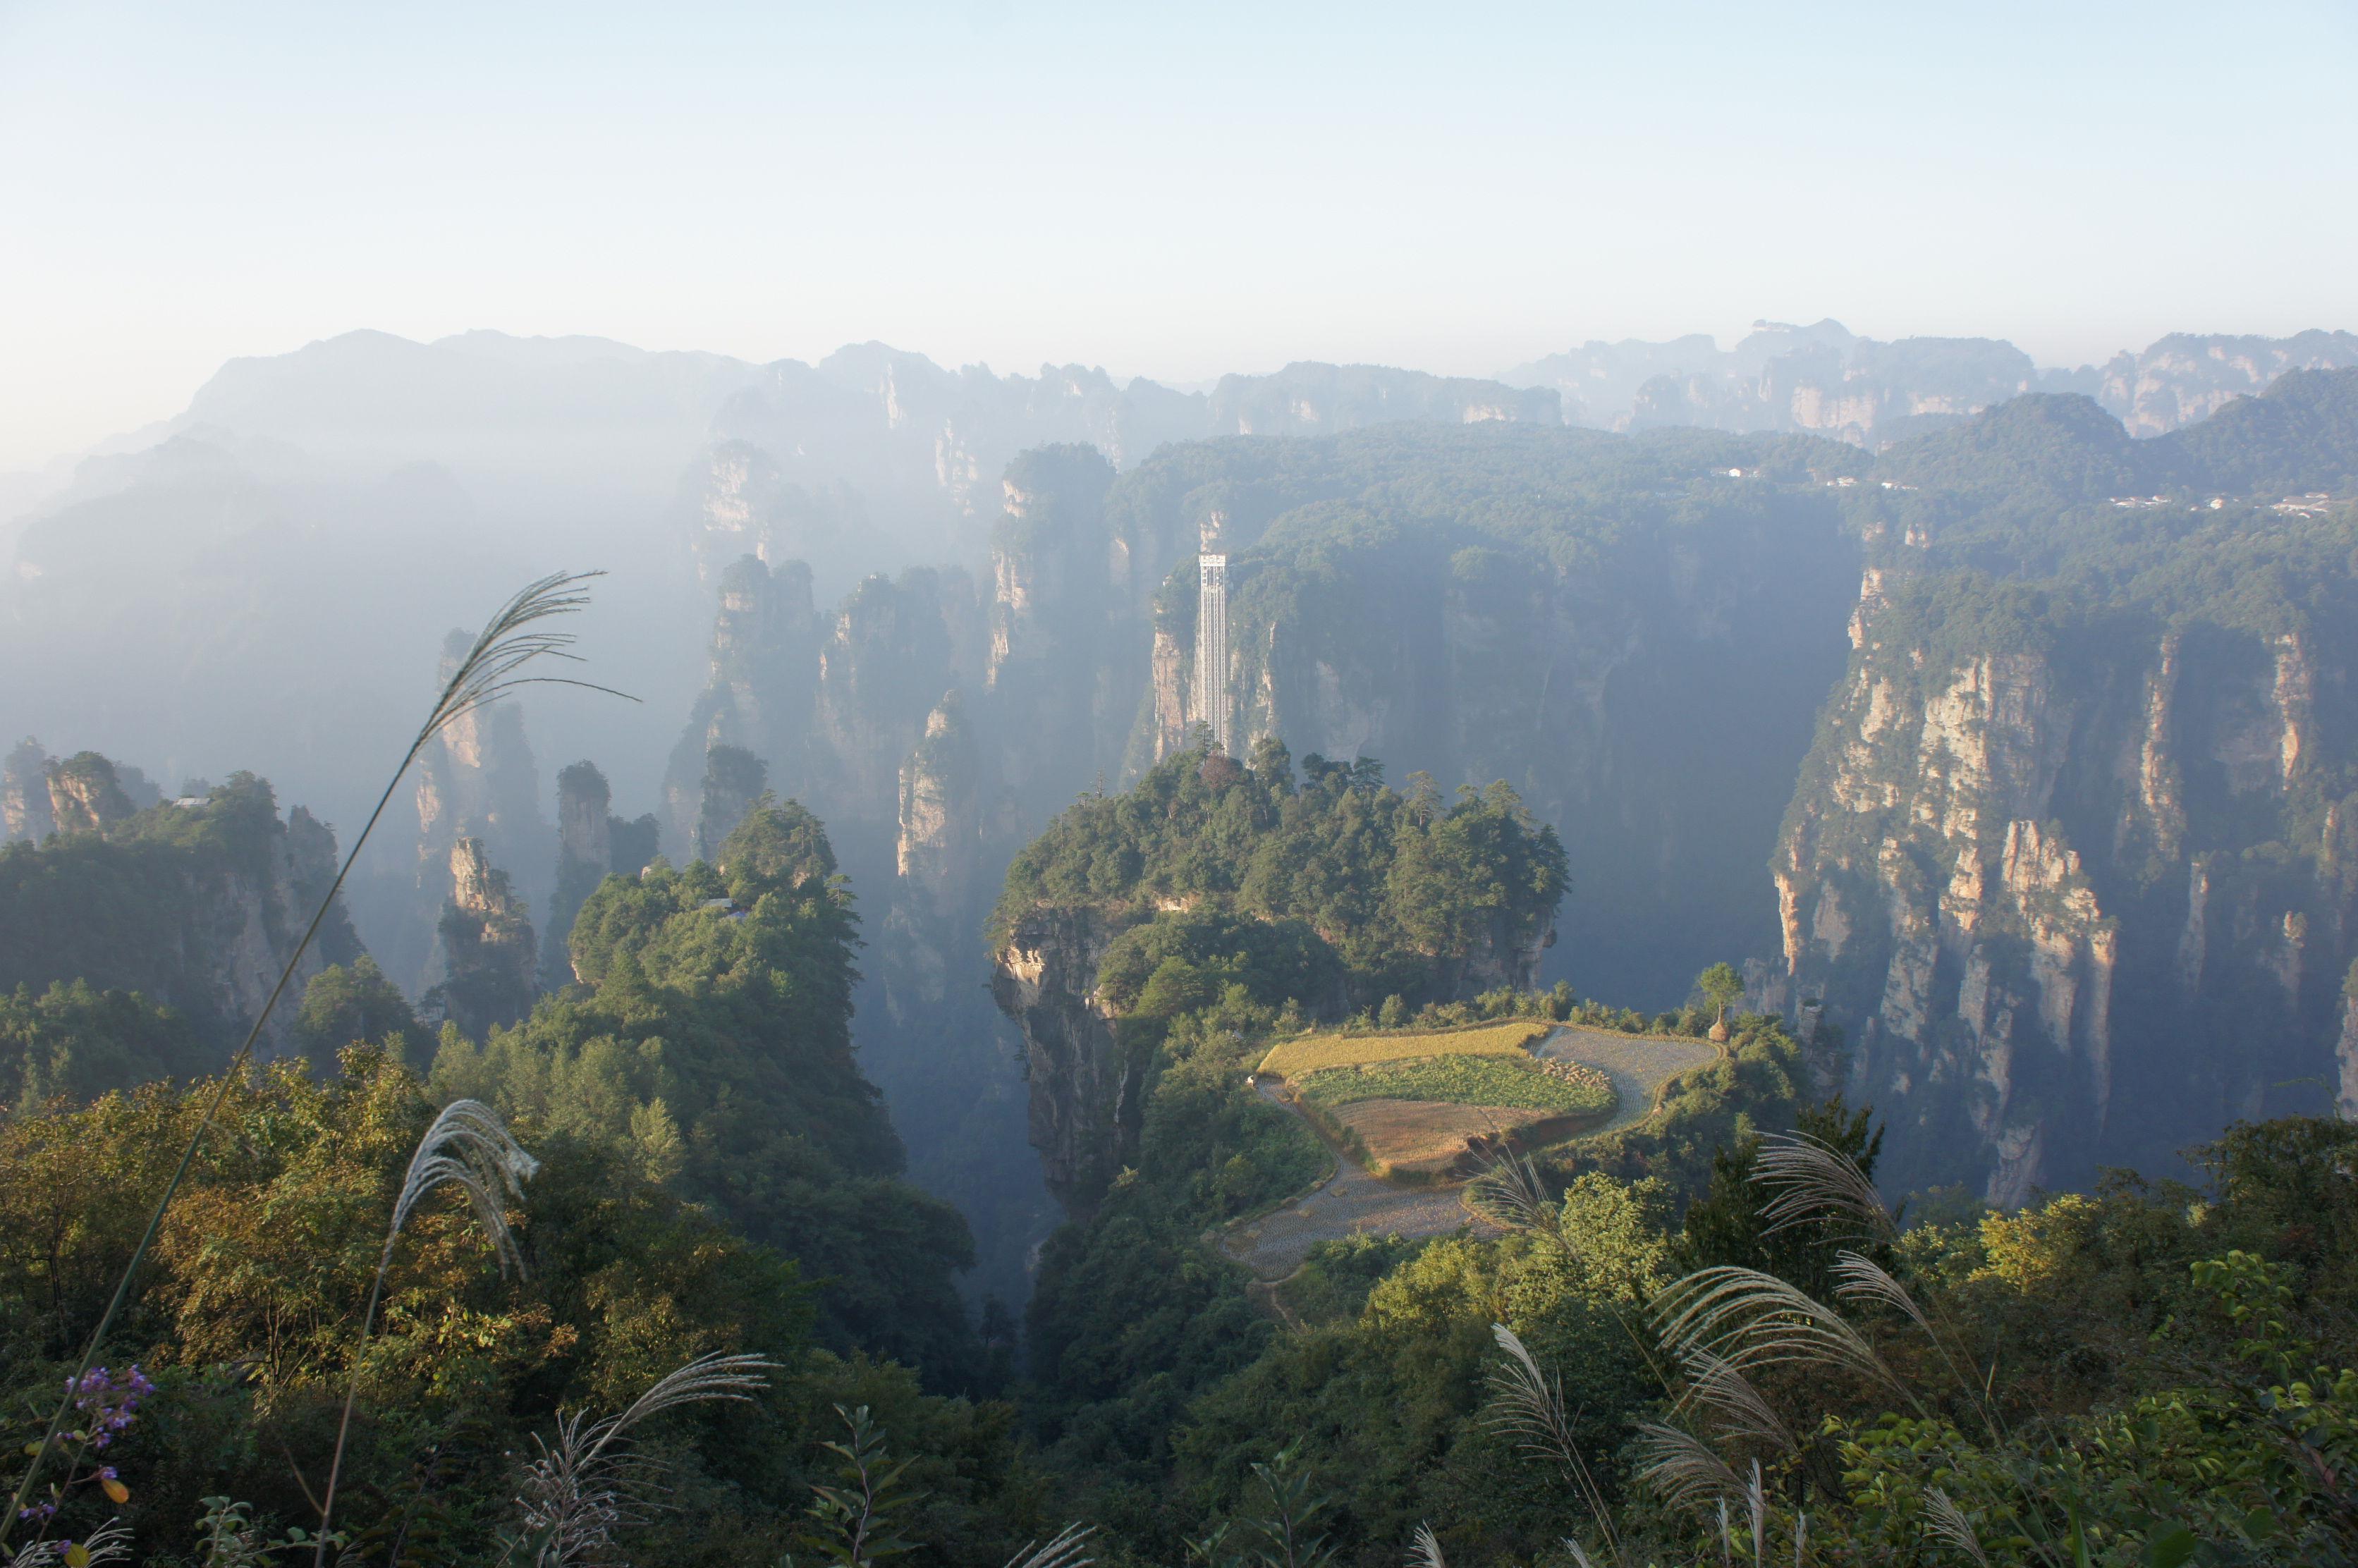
<point x="1820" y="379"/>
<point x="2187" y="376"/>
<point x="25" y="793"/>
<point x="1088" y="1086"/>
<point x="760" y="691"/>
<point x="485" y="956"/>
<point x="881" y="671"/>
<point x="940" y="842"/>
<point x="585" y="856"/>
<point x="197" y="904"/>
<point x="739" y="503"/>
<point x="85" y="796"/>
<point x="476" y="779"/>
<point x="2056" y="892"/>
<point x="734" y="780"/>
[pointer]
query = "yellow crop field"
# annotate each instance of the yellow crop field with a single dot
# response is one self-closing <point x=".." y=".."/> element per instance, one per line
<point x="1309" y="1053"/>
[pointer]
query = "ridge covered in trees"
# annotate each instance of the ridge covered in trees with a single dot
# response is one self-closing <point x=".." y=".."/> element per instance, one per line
<point x="1335" y="881"/>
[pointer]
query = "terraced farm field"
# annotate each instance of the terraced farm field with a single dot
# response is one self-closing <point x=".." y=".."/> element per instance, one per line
<point x="1311" y="1053"/>
<point x="1352" y="1200"/>
<point x="1506" y="1082"/>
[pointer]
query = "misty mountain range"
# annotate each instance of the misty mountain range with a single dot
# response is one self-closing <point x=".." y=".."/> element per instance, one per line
<point x="948" y="601"/>
<point x="255" y="582"/>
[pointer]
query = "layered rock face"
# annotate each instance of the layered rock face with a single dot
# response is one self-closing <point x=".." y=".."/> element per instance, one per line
<point x="485" y="957"/>
<point x="2189" y="376"/>
<point x="2020" y="868"/>
<point x="2080" y="902"/>
<point x="1086" y="1089"/>
<point x="85" y="796"/>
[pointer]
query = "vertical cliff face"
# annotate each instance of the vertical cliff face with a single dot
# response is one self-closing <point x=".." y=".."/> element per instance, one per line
<point x="585" y="856"/>
<point x="738" y="502"/>
<point x="2186" y="377"/>
<point x="1086" y="1088"/>
<point x="25" y="793"/>
<point x="1825" y="379"/>
<point x="2064" y="886"/>
<point x="85" y="796"/>
<point x="485" y="957"/>
<point x="1311" y="399"/>
<point x="1066" y="654"/>
<point x="734" y="780"/>
<point x="939" y="851"/>
<point x="882" y="670"/>
<point x="761" y="690"/>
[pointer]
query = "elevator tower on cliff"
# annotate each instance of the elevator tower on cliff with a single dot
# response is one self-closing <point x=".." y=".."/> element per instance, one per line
<point x="1212" y="646"/>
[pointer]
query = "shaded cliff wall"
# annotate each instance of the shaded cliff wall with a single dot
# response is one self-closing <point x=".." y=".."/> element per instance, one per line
<point x="865" y="712"/>
<point x="1087" y="1086"/>
<point x="2078" y="882"/>
<point x="1648" y="687"/>
<point x="593" y="844"/>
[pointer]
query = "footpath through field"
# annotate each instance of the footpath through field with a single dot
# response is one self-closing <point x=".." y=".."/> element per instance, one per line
<point x="1351" y="1201"/>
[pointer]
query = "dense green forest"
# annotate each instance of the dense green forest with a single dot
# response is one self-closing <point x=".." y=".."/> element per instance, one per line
<point x="2148" y="1374"/>
<point x="714" y="1176"/>
<point x="159" y="901"/>
<point x="1329" y="885"/>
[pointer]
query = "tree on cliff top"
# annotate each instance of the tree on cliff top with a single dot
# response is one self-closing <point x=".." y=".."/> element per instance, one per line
<point x="710" y="1043"/>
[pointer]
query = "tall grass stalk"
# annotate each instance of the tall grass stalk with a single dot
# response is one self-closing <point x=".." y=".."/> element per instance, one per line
<point x="1070" y="1549"/>
<point x="469" y="1148"/>
<point x="583" y="1486"/>
<point x="493" y="666"/>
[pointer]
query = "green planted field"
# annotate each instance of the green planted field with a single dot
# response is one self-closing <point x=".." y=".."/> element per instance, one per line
<point x="1314" y="1053"/>
<point x="1558" y="1088"/>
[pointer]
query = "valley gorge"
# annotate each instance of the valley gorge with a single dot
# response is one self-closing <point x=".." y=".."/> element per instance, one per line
<point x="1961" y="749"/>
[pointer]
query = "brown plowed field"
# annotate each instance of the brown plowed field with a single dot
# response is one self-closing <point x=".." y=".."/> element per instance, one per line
<point x="1422" y="1140"/>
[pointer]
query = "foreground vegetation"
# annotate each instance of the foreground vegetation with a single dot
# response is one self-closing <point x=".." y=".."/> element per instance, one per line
<point x="1701" y="1338"/>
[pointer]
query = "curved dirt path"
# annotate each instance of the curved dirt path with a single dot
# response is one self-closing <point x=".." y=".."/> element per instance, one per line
<point x="1638" y="1066"/>
<point x="1350" y="1201"/>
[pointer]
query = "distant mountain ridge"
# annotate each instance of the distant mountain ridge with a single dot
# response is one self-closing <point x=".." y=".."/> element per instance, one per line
<point x="1826" y="380"/>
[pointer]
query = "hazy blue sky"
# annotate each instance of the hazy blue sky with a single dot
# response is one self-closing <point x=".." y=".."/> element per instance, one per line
<point x="1175" y="190"/>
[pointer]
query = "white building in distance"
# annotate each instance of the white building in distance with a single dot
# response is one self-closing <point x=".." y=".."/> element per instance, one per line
<point x="1212" y="646"/>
